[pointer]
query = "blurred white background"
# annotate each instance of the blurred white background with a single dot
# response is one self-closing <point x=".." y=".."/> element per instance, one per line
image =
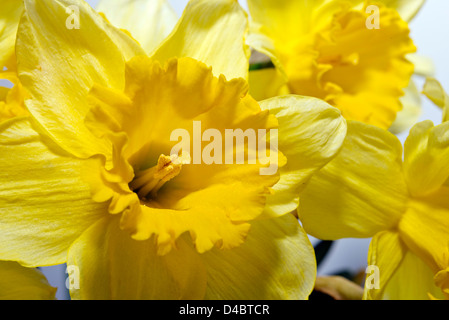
<point x="430" y="30"/>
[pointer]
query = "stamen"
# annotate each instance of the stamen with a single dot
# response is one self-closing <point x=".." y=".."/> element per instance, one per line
<point x="148" y="182"/>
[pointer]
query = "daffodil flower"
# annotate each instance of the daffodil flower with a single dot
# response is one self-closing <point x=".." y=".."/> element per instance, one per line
<point x="90" y="180"/>
<point x="371" y="190"/>
<point x="20" y="283"/>
<point x="334" y="50"/>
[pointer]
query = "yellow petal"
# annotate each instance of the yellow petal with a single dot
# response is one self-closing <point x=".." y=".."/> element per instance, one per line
<point x="9" y="22"/>
<point x="425" y="228"/>
<point x="435" y="92"/>
<point x="402" y="274"/>
<point x="311" y="133"/>
<point x="3" y="94"/>
<point x="266" y="83"/>
<point x="339" y="288"/>
<point x="361" y="191"/>
<point x="111" y="265"/>
<point x="44" y="204"/>
<point x="411" y="110"/>
<point x="20" y="283"/>
<point x="212" y="32"/>
<point x="424" y="66"/>
<point x="385" y="255"/>
<point x="442" y="281"/>
<point x="148" y="21"/>
<point x="59" y="64"/>
<point x="276" y="262"/>
<point x="425" y="159"/>
<point x="412" y="280"/>
<point x="127" y="45"/>
<point x="259" y="40"/>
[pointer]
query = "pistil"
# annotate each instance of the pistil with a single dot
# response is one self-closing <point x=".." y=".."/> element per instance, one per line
<point x="148" y="182"/>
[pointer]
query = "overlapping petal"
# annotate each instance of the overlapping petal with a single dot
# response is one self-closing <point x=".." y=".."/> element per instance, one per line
<point x="276" y="262"/>
<point x="426" y="151"/>
<point x="311" y="133"/>
<point x="211" y="32"/>
<point x="412" y="280"/>
<point x="386" y="253"/>
<point x="435" y="92"/>
<point x="424" y="66"/>
<point x="20" y="283"/>
<point x="411" y="110"/>
<point x="361" y="191"/>
<point x="65" y="62"/>
<point x="148" y="21"/>
<point x="425" y="228"/>
<point x="266" y="83"/>
<point x="44" y="203"/>
<point x="114" y="266"/>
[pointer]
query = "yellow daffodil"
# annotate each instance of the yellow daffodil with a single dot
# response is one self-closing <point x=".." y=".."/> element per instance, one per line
<point x="20" y="283"/>
<point x="336" y="50"/>
<point x="368" y="190"/>
<point x="93" y="181"/>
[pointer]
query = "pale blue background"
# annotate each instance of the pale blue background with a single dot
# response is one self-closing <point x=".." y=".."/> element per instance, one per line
<point x="430" y="31"/>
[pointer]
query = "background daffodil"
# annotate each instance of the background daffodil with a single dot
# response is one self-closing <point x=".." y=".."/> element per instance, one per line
<point x="369" y="191"/>
<point x="102" y="111"/>
<point x="326" y="50"/>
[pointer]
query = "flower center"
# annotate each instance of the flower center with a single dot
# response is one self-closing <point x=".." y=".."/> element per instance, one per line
<point x="147" y="185"/>
<point x="148" y="182"/>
